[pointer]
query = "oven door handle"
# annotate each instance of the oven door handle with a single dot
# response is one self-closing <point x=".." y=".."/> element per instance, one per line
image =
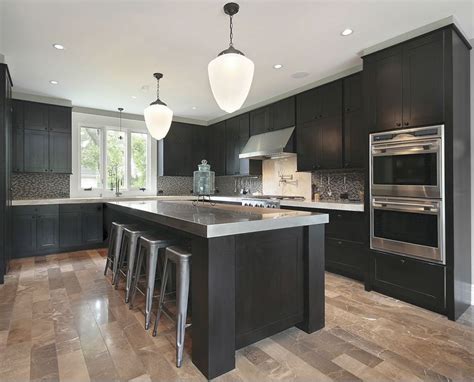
<point x="405" y="149"/>
<point x="431" y="209"/>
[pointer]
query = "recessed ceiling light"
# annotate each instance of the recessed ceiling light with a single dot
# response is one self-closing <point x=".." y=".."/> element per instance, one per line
<point x="194" y="108"/>
<point x="277" y="66"/>
<point x="300" y="75"/>
<point x="134" y="97"/>
<point x="346" y="32"/>
<point x="58" y="46"/>
<point x="53" y="82"/>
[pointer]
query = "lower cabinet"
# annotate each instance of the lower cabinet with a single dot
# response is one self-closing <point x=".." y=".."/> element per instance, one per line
<point x="40" y="230"/>
<point x="346" y="257"/>
<point x="418" y="282"/>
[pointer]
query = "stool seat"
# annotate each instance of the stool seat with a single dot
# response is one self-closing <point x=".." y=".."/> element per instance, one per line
<point x="175" y="254"/>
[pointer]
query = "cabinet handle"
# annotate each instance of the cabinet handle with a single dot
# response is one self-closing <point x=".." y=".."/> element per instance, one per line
<point x="348" y="109"/>
<point x="398" y="124"/>
<point x="45" y="169"/>
<point x="339" y="216"/>
<point x="407" y="123"/>
<point x="402" y="261"/>
<point x="339" y="242"/>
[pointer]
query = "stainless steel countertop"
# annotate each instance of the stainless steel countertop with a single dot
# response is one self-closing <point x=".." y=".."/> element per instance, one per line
<point x="324" y="205"/>
<point x="219" y="220"/>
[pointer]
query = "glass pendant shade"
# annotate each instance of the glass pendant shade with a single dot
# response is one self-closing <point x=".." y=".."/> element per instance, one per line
<point x="158" y="120"/>
<point x="230" y="76"/>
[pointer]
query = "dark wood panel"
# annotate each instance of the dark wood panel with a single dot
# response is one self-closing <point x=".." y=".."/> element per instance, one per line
<point x="92" y="223"/>
<point x="35" y="115"/>
<point x="347" y="258"/>
<point x="275" y="295"/>
<point x="59" y="118"/>
<point x="24" y="234"/>
<point x="70" y="229"/>
<point x="60" y="152"/>
<point x="308" y="105"/>
<point x="423" y="81"/>
<point x="17" y="150"/>
<point x="352" y="86"/>
<point x="217" y="148"/>
<point x="283" y="113"/>
<point x="47" y="231"/>
<point x="331" y="145"/>
<point x="178" y="150"/>
<point x="261" y="120"/>
<point x="18" y="118"/>
<point x="308" y="142"/>
<point x="36" y="154"/>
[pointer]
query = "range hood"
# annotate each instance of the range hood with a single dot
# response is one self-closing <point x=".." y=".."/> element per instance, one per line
<point x="268" y="145"/>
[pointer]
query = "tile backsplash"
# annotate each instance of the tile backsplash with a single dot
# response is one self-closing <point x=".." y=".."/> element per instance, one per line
<point x="331" y="184"/>
<point x="174" y="185"/>
<point x="40" y="186"/>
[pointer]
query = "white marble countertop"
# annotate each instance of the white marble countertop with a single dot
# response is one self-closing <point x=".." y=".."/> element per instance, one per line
<point x="325" y="205"/>
<point x="209" y="221"/>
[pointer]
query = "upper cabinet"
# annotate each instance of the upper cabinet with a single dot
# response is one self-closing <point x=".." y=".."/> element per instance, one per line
<point x="278" y="115"/>
<point x="216" y="148"/>
<point x="41" y="138"/>
<point x="178" y="150"/>
<point x="321" y="102"/>
<point x="237" y="133"/>
<point x="355" y="138"/>
<point x="406" y="84"/>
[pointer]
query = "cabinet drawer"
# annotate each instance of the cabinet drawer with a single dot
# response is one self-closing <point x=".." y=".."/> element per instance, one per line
<point x="92" y="207"/>
<point x="24" y="210"/>
<point x="48" y="210"/>
<point x="420" y="283"/>
<point x="346" y="258"/>
<point x="347" y="226"/>
<point x="70" y="208"/>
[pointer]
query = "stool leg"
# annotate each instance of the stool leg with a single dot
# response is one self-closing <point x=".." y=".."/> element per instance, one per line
<point x="182" y="291"/>
<point x="120" y="260"/>
<point x="164" y="280"/>
<point x="132" y="253"/>
<point x="150" y="283"/>
<point x="116" y="255"/>
<point x="136" y="278"/>
<point x="110" y="252"/>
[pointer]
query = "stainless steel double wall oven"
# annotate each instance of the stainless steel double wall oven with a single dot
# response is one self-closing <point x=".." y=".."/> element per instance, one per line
<point x="407" y="192"/>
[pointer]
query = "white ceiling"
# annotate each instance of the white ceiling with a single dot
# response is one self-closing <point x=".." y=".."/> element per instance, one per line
<point x="114" y="46"/>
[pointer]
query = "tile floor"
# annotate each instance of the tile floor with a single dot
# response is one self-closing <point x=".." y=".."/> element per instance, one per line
<point x="60" y="320"/>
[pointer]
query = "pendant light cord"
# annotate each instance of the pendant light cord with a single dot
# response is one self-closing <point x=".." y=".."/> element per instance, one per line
<point x="157" y="89"/>
<point x="231" y="36"/>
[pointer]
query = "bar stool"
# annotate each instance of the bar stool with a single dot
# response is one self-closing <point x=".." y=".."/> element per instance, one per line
<point x="115" y="240"/>
<point x="127" y="253"/>
<point x="182" y="258"/>
<point x="148" y="248"/>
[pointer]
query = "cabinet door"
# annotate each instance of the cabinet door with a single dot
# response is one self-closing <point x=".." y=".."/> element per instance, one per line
<point x="260" y="120"/>
<point x="308" y="105"/>
<point x="346" y="258"/>
<point x="92" y="226"/>
<point x="70" y="229"/>
<point x="35" y="116"/>
<point x="283" y="114"/>
<point x="60" y="152"/>
<point x="200" y="144"/>
<point x="216" y="149"/>
<point x="352" y="92"/>
<point x="423" y="81"/>
<point x="308" y="146"/>
<point x="36" y="154"/>
<point x="331" y="145"/>
<point x="331" y="99"/>
<point x="24" y="234"/>
<point x="178" y="151"/>
<point x="386" y="86"/>
<point x="59" y="118"/>
<point x="17" y="150"/>
<point x="231" y="139"/>
<point x="355" y="140"/>
<point x="47" y="231"/>
<point x="17" y="114"/>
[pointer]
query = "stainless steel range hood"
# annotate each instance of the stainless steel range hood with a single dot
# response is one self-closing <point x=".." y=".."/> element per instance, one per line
<point x="268" y="145"/>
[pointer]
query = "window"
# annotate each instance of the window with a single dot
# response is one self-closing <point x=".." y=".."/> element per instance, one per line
<point x="105" y="157"/>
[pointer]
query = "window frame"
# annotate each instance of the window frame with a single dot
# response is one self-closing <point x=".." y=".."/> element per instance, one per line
<point x="111" y="124"/>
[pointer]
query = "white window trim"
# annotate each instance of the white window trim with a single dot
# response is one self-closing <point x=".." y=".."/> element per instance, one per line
<point x="104" y="123"/>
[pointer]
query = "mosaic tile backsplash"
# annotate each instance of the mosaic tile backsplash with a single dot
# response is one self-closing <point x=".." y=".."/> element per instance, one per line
<point x="40" y="186"/>
<point x="226" y="185"/>
<point x="331" y="184"/>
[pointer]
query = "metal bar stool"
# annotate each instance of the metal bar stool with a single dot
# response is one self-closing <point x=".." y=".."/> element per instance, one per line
<point x="115" y="240"/>
<point x="148" y="250"/>
<point x="182" y="258"/>
<point x="127" y="254"/>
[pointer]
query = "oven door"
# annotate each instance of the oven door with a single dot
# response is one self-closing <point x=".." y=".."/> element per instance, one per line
<point x="407" y="169"/>
<point x="411" y="227"/>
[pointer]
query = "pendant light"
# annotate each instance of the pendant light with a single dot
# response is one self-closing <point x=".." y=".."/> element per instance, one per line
<point x="120" y="109"/>
<point x="230" y="73"/>
<point x="158" y="116"/>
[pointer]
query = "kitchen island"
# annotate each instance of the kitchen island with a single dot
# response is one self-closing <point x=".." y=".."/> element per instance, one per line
<point x="255" y="272"/>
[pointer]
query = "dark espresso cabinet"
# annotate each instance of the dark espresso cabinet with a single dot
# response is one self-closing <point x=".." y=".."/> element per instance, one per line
<point x="216" y="148"/>
<point x="321" y="102"/>
<point x="276" y="116"/>
<point x="39" y="230"/>
<point x="41" y="138"/>
<point x="407" y="84"/>
<point x="355" y="136"/>
<point x="237" y="134"/>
